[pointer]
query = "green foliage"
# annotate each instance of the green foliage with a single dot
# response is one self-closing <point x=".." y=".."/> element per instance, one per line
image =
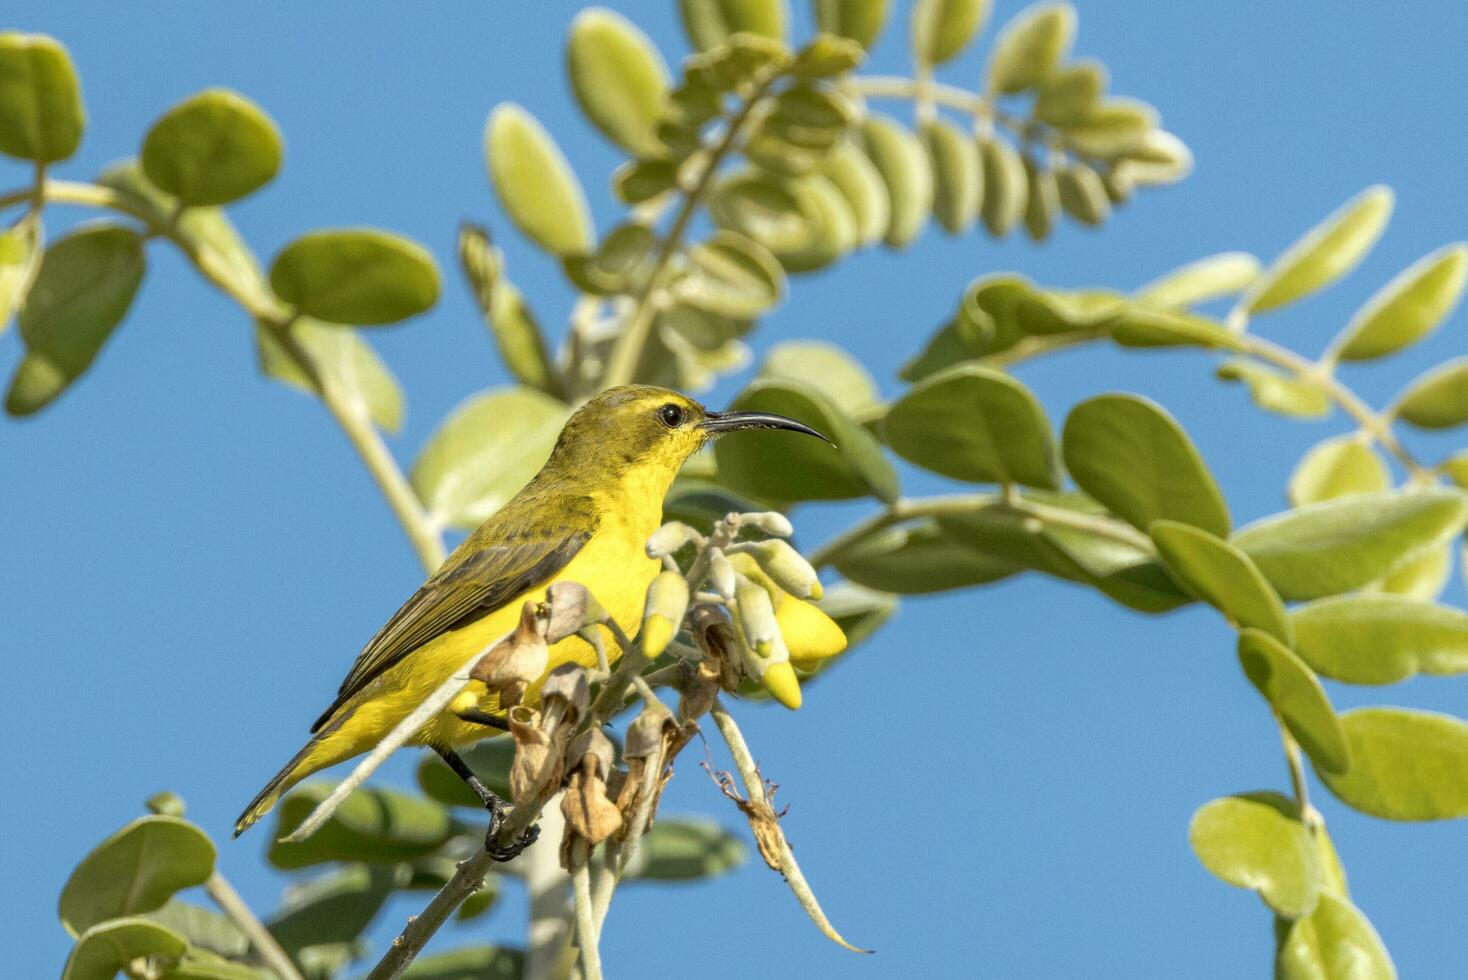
<point x="1405" y="764"/>
<point x="1257" y="841"/>
<point x="41" y="114"/>
<point x="355" y="276"/>
<point x="212" y="148"/>
<point x="1381" y="639"/>
<point x="135" y="870"/>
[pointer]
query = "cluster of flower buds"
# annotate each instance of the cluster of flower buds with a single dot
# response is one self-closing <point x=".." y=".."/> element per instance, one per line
<point x="591" y="814"/>
<point x="519" y="660"/>
<point x="542" y="736"/>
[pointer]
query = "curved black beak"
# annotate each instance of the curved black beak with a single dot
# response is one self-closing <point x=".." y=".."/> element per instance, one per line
<point x="717" y="423"/>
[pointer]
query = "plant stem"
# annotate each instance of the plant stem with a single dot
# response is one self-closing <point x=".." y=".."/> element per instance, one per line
<point x="627" y="351"/>
<point x="423" y="533"/>
<point x="1297" y="773"/>
<point x="231" y="904"/>
<point x="586" y="936"/>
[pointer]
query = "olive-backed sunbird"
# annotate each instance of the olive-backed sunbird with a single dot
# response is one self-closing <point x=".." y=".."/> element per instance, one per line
<point x="585" y="517"/>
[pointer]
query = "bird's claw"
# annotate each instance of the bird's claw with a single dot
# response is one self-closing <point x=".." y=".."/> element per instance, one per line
<point x="505" y="852"/>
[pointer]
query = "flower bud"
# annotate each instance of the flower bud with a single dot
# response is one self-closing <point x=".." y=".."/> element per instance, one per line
<point x="662" y="617"/>
<point x="721" y="573"/>
<point x="650" y="732"/>
<point x="536" y="769"/>
<point x="589" y="810"/>
<point x="779" y="679"/>
<point x="567" y="685"/>
<point x="810" y="635"/>
<point x="592" y="747"/>
<point x="572" y="608"/>
<point x="770" y="522"/>
<point x="517" y="661"/>
<point x="755" y="616"/>
<point x="671" y="538"/>
<point x="785" y="566"/>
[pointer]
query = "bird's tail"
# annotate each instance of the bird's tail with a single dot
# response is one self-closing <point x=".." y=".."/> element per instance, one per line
<point x="300" y="766"/>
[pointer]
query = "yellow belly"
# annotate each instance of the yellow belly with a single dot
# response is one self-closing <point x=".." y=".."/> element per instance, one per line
<point x="613" y="565"/>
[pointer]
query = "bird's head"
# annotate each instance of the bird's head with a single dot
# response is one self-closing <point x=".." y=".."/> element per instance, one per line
<point x="643" y="427"/>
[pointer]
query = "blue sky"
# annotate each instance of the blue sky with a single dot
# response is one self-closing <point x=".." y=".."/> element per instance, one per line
<point x="999" y="785"/>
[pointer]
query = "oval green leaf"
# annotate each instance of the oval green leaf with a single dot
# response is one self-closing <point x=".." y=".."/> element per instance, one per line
<point x="135" y="870"/>
<point x="943" y="28"/>
<point x="856" y="178"/>
<point x="1342" y="466"/>
<point x="1296" y="695"/>
<point x="82" y="289"/>
<point x="859" y="20"/>
<point x="903" y="166"/>
<point x="1042" y="200"/>
<point x="1131" y="455"/>
<point x="1409" y="307"/>
<point x="958" y="187"/>
<point x="918" y="559"/>
<point x="1221" y="576"/>
<point x="1224" y="274"/>
<point x="826" y="368"/>
<point x="516" y="332"/>
<point x="212" y="148"/>
<point x="484" y="451"/>
<point x="1436" y="400"/>
<point x="20" y="254"/>
<point x="334" y="908"/>
<point x="1082" y="195"/>
<point x="618" y="77"/>
<point x="682" y="849"/>
<point x="1326" y="252"/>
<point x="1115" y="127"/>
<point x="490" y="760"/>
<point x="789" y="466"/>
<point x="731" y="275"/>
<point x="355" y="275"/>
<point x="373" y="825"/>
<point x="535" y="184"/>
<point x="1335" y="943"/>
<point x="1381" y="639"/>
<point x="974" y="424"/>
<point x="1071" y="94"/>
<point x="41" y="114"/>
<point x="341" y="354"/>
<point x="1405" y="764"/>
<point x="1031" y="47"/>
<point x="106" y="949"/>
<point x="1341" y="545"/>
<point x="1257" y="841"/>
<point x="709" y="23"/>
<point x="1275" y="391"/>
<point x="1005" y="186"/>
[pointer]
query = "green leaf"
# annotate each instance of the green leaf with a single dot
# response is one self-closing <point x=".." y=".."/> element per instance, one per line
<point x="618" y="77"/>
<point x="830" y="223"/>
<point x="490" y="760"/>
<point x="1296" y="695"/>
<point x="212" y="148"/>
<point x="83" y="288"/>
<point x="1157" y="159"/>
<point x="1276" y="392"/>
<point x="1082" y="194"/>
<point x="917" y="559"/>
<point x="1455" y="468"/>
<point x="827" y="56"/>
<point x="1115" y="127"/>
<point x="709" y="23"/>
<point x="764" y="208"/>
<point x="355" y="275"/>
<point x="107" y="948"/>
<point x="974" y="424"/>
<point x="943" y="28"/>
<point x="684" y="849"/>
<point x="1210" y="278"/>
<point x="337" y="907"/>
<point x="135" y="870"/>
<point x="1409" y="307"/>
<point x="1031" y="47"/>
<point x="484" y="451"/>
<point x="826" y="368"/>
<point x="535" y="184"/>
<point x="41" y="115"/>
<point x="1424" y="576"/>
<point x="643" y="180"/>
<point x="1341" y="545"/>
<point x="344" y="356"/>
<point x="856" y="178"/>
<point x="1405" y="764"/>
<point x="1132" y="456"/>
<point x="1141" y="327"/>
<point x="202" y="927"/>
<point x="1436" y="400"/>
<point x="1381" y="639"/>
<point x="621" y="264"/>
<point x="790" y="466"/>
<point x="20" y="254"/>
<point x="373" y="825"/>
<point x="201" y="964"/>
<point x="1342" y="466"/>
<point x="860" y="20"/>
<point x="957" y="180"/>
<point x="517" y="335"/>
<point x="1221" y="576"/>
<point x="1071" y="94"/>
<point x="903" y="166"/>
<point x="1005" y="186"/>
<point x="731" y="275"/>
<point x="1257" y="841"/>
<point x="469" y="963"/>
<point x="1042" y="200"/>
<point x="1335" y="943"/>
<point x="1327" y="252"/>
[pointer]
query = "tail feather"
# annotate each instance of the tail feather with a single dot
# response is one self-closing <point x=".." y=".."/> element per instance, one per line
<point x="265" y="800"/>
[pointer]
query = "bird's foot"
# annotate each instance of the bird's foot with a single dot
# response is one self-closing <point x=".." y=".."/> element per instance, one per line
<point x="506" y="852"/>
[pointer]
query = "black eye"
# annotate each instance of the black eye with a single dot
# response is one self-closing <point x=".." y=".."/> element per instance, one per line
<point x="671" y="415"/>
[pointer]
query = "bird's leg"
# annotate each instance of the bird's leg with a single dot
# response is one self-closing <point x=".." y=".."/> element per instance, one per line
<point x="477" y="717"/>
<point x="492" y="803"/>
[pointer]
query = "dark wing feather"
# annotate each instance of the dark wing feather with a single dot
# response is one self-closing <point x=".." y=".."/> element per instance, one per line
<point x="456" y="596"/>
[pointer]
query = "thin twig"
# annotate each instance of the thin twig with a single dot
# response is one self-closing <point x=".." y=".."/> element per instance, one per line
<point x="586" y="936"/>
<point x="231" y="904"/>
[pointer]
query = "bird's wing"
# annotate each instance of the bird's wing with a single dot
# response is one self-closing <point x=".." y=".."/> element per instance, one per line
<point x="458" y="594"/>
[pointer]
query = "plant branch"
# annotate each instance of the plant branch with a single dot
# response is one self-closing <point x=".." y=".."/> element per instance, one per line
<point x="586" y="932"/>
<point x="1297" y="774"/>
<point x="627" y="351"/>
<point x="222" y="893"/>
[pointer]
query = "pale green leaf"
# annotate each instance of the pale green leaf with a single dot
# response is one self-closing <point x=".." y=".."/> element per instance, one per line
<point x="484" y="451"/>
<point x="1221" y="576"/>
<point x="1381" y="639"/>
<point x="958" y="188"/>
<point x="1342" y="466"/>
<point x="1423" y="576"/>
<point x="41" y="114"/>
<point x="618" y="77"/>
<point x="856" y="178"/>
<point x="516" y="332"/>
<point x="1296" y="695"/>
<point x="469" y="963"/>
<point x="1031" y="47"/>
<point x="20" y="255"/>
<point x="1325" y="253"/>
<point x="1117" y="127"/>
<point x="903" y="165"/>
<point x="709" y="23"/>
<point x="1071" y="94"/>
<point x="919" y="558"/>
<point x="342" y="355"/>
<point x="731" y="275"/>
<point x="375" y="825"/>
<point x="943" y="28"/>
<point x="1224" y="274"/>
<point x="860" y="20"/>
<point x="212" y="148"/>
<point x="1335" y="943"/>
<point x="336" y="907"/>
<point x="1042" y="199"/>
<point x="1405" y="764"/>
<point x="1436" y="400"/>
<point x="535" y="184"/>
<point x="824" y="367"/>
<point x="1340" y="545"/>
<point x="107" y="948"/>
<point x="1257" y="841"/>
<point x="1005" y="186"/>
<point x="1082" y="195"/>
<point x="684" y="849"/>
<point x="1276" y="392"/>
<point x="356" y="275"/>
<point x="1409" y="307"/>
<point x="1132" y="456"/>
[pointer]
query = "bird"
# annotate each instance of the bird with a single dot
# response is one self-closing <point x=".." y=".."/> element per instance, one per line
<point x="585" y="517"/>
